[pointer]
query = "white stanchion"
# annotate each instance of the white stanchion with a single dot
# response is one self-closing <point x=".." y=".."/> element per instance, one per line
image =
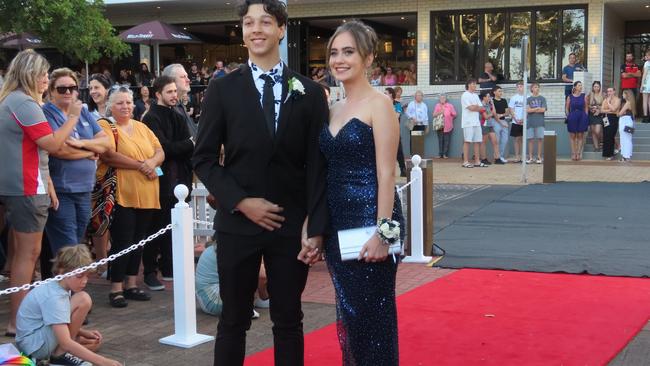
<point x="185" y="335"/>
<point x="417" y="215"/>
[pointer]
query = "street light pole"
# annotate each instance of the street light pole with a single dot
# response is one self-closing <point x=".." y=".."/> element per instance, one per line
<point x="284" y="52"/>
<point x="524" y="142"/>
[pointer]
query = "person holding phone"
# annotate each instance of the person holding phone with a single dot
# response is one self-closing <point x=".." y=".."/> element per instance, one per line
<point x="135" y="153"/>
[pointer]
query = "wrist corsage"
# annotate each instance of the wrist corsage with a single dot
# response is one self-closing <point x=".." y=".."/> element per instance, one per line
<point x="388" y="230"/>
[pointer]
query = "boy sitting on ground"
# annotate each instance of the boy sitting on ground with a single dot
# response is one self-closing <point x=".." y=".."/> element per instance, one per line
<point x="48" y="324"/>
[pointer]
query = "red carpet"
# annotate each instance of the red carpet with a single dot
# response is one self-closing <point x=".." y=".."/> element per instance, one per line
<point x="480" y="317"/>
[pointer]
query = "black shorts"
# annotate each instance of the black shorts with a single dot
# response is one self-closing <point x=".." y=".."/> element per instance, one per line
<point x="516" y="130"/>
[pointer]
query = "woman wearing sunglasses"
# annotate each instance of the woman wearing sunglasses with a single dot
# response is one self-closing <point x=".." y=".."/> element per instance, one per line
<point x="72" y="167"/>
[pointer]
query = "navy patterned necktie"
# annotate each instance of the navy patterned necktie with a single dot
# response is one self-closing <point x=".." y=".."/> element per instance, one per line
<point x="268" y="103"/>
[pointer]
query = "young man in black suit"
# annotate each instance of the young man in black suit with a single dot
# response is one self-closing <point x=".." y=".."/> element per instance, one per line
<point x="270" y="189"/>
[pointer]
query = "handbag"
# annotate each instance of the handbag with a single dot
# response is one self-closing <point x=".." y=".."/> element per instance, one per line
<point x="352" y="240"/>
<point x="410" y="124"/>
<point x="439" y="122"/>
<point x="103" y="197"/>
<point x="628" y="129"/>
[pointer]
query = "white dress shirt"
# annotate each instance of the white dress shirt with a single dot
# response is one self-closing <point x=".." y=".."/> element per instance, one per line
<point x="276" y="74"/>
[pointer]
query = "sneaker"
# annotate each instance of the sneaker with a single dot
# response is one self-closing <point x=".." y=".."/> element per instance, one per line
<point x="262" y="304"/>
<point x="529" y="161"/>
<point x="167" y="277"/>
<point x="486" y="162"/>
<point x="67" y="359"/>
<point x="151" y="280"/>
<point x="505" y="161"/>
<point x="538" y="161"/>
<point x="498" y="162"/>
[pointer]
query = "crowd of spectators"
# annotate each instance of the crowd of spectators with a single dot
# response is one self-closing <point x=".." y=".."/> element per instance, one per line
<point x="101" y="173"/>
<point x="392" y="76"/>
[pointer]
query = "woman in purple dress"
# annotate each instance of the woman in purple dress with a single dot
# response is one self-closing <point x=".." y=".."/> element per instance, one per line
<point x="577" y="120"/>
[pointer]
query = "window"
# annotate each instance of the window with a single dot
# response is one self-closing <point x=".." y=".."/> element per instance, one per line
<point x="444" y="49"/>
<point x="462" y="41"/>
<point x="546" y="45"/>
<point x="519" y="27"/>
<point x="495" y="40"/>
<point x="468" y="46"/>
<point x="573" y="35"/>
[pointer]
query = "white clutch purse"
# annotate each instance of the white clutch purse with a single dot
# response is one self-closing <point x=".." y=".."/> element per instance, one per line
<point x="352" y="240"/>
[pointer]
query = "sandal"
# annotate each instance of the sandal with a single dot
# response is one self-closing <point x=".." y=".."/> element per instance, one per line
<point x="467" y="165"/>
<point x="117" y="300"/>
<point x="136" y="294"/>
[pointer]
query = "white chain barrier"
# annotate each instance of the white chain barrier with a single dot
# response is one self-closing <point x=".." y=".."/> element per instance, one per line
<point x="92" y="266"/>
<point x="206" y="223"/>
<point x="400" y="189"/>
<point x="112" y="257"/>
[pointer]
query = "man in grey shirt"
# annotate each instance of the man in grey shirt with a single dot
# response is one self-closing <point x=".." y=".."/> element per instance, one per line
<point x="177" y="71"/>
<point x="536" y="107"/>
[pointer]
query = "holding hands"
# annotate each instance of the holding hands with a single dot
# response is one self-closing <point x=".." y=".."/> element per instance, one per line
<point x="312" y="248"/>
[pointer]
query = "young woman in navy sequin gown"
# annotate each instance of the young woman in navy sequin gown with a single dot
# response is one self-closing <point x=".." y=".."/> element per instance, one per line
<point x="360" y="144"/>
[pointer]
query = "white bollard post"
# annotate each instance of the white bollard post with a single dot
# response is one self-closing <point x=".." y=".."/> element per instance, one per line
<point x="185" y="335"/>
<point x="417" y="214"/>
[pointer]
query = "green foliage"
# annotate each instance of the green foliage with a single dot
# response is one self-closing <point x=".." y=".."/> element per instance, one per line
<point x="75" y="27"/>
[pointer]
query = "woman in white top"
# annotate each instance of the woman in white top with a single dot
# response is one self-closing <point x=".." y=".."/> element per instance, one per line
<point x="626" y="124"/>
<point x="417" y="112"/>
<point x="645" y="87"/>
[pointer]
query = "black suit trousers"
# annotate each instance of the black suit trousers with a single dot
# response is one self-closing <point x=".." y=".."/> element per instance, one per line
<point x="238" y="262"/>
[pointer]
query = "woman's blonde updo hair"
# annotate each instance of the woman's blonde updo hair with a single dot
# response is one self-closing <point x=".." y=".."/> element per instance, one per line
<point x="59" y="73"/>
<point x="23" y="73"/>
<point x="364" y="36"/>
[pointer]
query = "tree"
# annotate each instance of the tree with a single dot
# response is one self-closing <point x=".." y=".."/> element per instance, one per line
<point x="75" y="27"/>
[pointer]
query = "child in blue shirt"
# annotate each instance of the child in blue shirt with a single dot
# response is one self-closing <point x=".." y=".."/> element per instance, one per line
<point x="48" y="324"/>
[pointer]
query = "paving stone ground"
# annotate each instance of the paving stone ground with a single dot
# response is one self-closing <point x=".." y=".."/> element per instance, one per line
<point x="131" y="334"/>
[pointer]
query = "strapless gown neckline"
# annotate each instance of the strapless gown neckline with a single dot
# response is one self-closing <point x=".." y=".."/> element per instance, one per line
<point x="349" y="122"/>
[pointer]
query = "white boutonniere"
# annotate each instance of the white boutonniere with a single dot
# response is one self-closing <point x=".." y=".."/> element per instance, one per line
<point x="296" y="89"/>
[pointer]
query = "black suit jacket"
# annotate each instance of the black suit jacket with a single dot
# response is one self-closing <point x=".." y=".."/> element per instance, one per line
<point x="288" y="170"/>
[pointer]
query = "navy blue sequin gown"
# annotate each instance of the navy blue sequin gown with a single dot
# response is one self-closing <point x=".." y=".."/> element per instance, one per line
<point x="365" y="292"/>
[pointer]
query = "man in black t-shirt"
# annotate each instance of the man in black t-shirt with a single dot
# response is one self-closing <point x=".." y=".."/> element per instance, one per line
<point x="488" y="80"/>
<point x="501" y="125"/>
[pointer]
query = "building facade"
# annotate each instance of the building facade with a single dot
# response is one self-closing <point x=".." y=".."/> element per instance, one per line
<point x="447" y="40"/>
